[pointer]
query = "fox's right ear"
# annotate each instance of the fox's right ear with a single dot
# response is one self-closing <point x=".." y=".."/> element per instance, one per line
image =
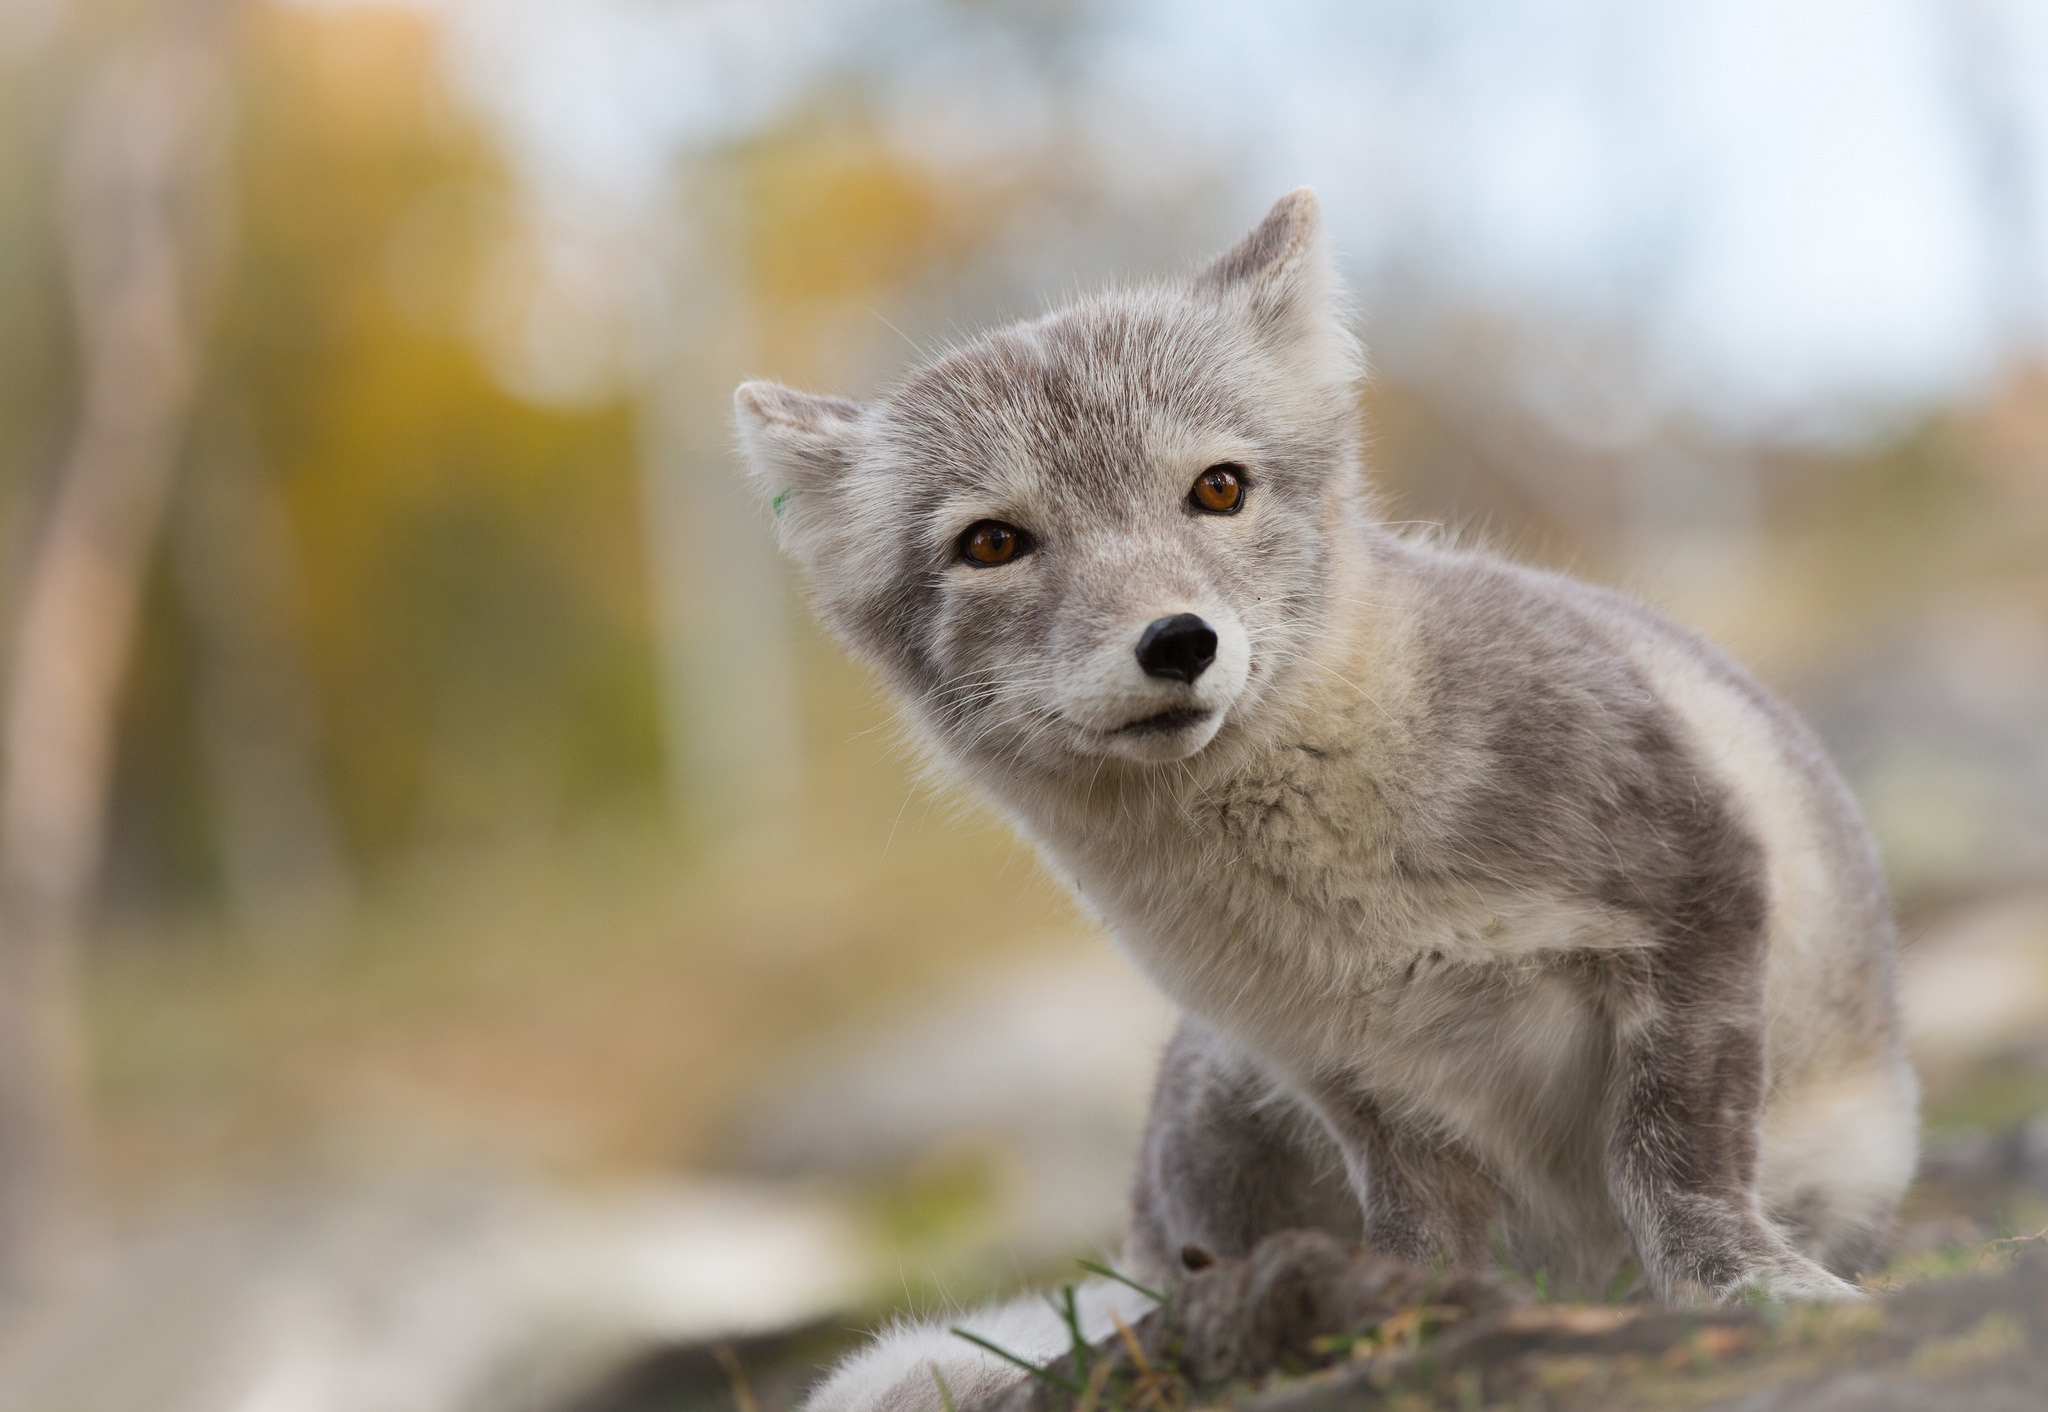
<point x="798" y="448"/>
<point x="1281" y="278"/>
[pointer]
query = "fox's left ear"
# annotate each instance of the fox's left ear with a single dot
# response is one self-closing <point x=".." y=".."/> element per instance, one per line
<point x="1280" y="275"/>
<point x="798" y="447"/>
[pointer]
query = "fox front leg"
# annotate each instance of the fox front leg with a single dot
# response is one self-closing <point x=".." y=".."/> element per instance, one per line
<point x="1227" y="1158"/>
<point x="1682" y="1155"/>
<point x="1424" y="1199"/>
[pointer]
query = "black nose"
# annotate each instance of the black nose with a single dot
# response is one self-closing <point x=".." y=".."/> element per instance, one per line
<point x="1181" y="647"/>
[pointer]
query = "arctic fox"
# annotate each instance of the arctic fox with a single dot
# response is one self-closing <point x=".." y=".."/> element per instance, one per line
<point x="1496" y="903"/>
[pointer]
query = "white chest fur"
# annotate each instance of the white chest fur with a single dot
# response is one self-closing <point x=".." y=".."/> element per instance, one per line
<point x="1275" y="907"/>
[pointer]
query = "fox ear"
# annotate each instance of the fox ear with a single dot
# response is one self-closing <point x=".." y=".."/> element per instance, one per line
<point x="798" y="446"/>
<point x="1280" y="249"/>
<point x="1280" y="275"/>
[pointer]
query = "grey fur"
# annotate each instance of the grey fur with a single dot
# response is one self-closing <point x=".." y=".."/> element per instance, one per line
<point x="1496" y="901"/>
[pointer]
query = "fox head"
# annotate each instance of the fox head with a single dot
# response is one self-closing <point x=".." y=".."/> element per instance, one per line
<point x="1108" y="532"/>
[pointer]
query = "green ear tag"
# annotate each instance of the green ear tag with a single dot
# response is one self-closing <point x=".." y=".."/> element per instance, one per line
<point x="781" y="499"/>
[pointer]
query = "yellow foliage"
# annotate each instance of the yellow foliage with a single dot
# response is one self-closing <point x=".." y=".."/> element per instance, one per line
<point x="472" y="567"/>
<point x="830" y="217"/>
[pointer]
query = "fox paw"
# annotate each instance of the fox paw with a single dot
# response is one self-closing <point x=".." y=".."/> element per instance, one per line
<point x="1790" y="1278"/>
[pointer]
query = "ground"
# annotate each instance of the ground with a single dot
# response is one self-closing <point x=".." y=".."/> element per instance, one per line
<point x="1958" y="1321"/>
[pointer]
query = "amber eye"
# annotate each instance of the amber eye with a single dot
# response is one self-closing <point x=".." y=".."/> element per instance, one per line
<point x="993" y="542"/>
<point x="1219" y="490"/>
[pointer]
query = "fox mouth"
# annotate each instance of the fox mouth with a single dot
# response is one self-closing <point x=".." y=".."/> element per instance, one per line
<point x="1166" y="722"/>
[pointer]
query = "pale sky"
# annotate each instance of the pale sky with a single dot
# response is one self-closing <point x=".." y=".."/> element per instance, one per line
<point x="1791" y="199"/>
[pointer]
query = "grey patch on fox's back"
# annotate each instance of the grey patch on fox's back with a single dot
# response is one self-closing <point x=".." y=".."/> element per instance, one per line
<point x="1576" y="777"/>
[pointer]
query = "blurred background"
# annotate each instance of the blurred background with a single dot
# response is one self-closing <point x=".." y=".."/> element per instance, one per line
<point x="466" y="941"/>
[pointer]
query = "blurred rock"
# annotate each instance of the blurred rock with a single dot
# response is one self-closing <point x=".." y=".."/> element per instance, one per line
<point x="450" y="1294"/>
<point x="1985" y="1169"/>
<point x="774" y="1370"/>
<point x="1046" y="1063"/>
<point x="1975" y="981"/>
<point x="1944" y="737"/>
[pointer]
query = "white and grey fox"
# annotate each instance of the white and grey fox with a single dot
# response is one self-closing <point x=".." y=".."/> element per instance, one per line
<point x="1496" y="903"/>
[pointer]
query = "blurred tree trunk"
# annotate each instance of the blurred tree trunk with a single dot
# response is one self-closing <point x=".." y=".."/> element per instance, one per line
<point x="287" y="874"/>
<point x="144" y="203"/>
<point x="1989" y="88"/>
<point x="728" y="652"/>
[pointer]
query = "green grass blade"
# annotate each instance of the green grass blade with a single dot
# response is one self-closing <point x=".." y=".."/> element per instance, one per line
<point x="1043" y="1374"/>
<point x="1069" y="1310"/>
<point x="1096" y="1268"/>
